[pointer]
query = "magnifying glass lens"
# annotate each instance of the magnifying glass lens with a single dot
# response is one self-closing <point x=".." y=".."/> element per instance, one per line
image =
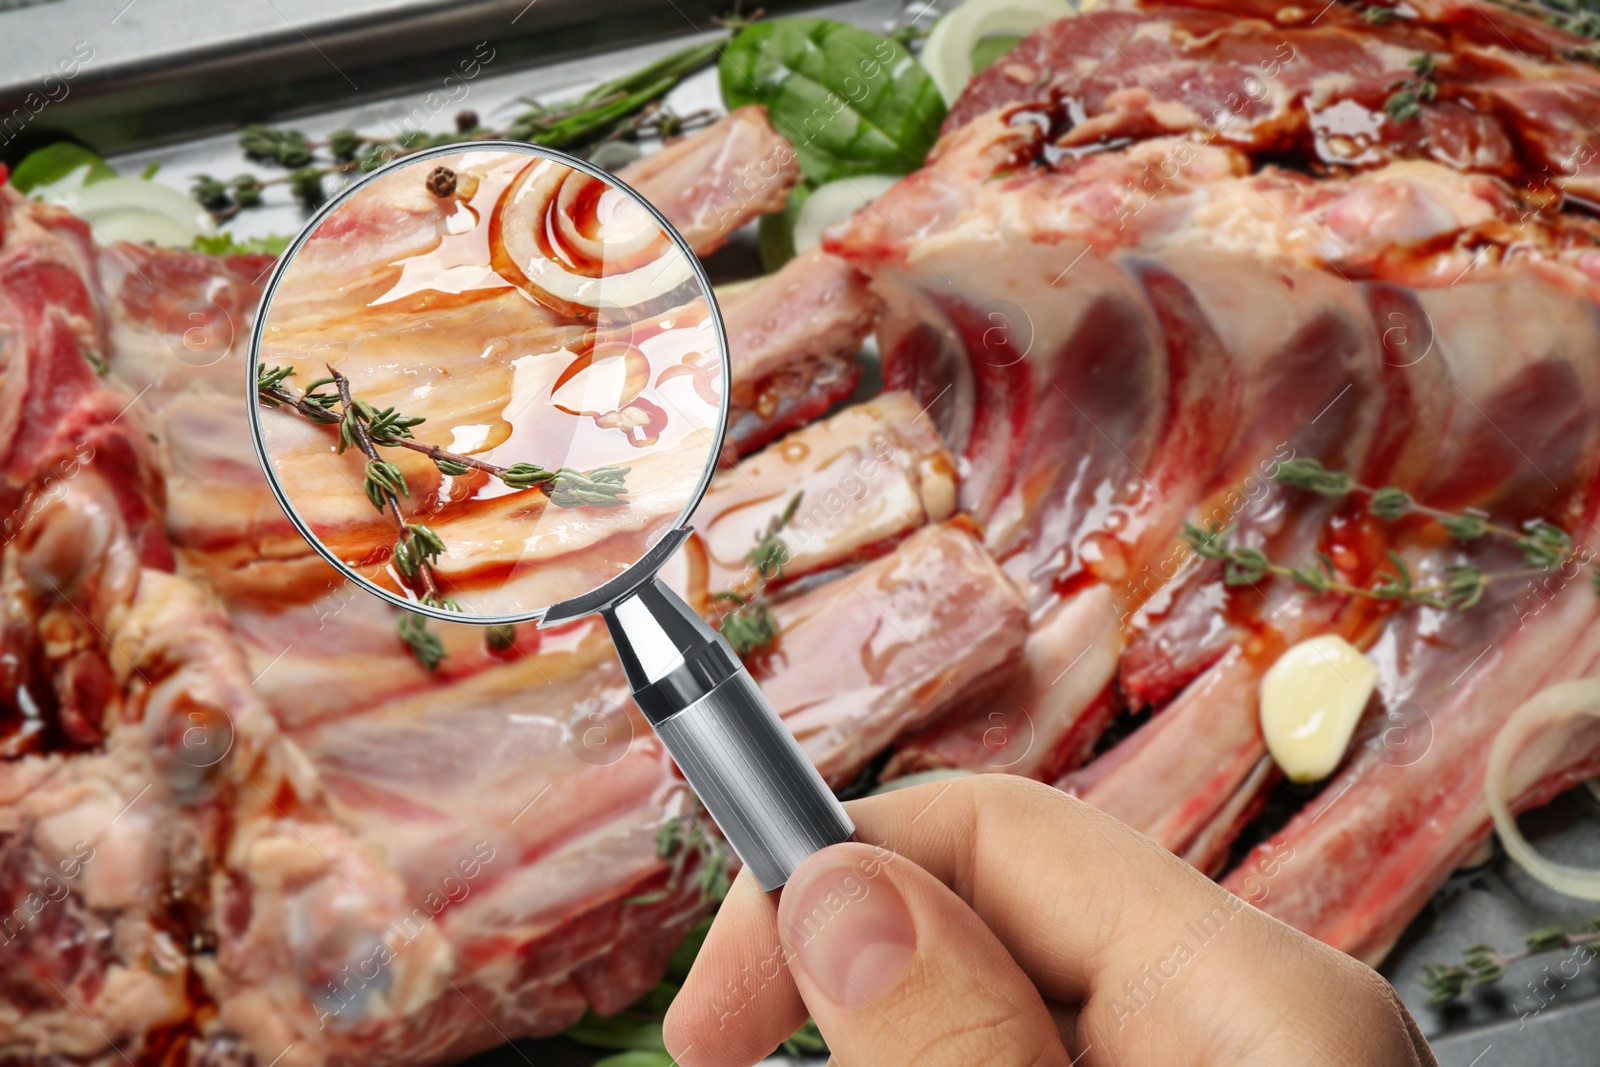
<point x="489" y="382"/>
<point x="491" y="386"/>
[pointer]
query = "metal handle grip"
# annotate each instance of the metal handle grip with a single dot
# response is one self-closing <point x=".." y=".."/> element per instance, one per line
<point x="748" y="770"/>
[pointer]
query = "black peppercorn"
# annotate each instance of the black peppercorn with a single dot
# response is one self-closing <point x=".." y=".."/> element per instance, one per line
<point x="442" y="182"/>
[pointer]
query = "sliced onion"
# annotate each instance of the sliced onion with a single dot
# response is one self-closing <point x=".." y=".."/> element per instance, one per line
<point x="133" y="209"/>
<point x="576" y="244"/>
<point x="1539" y="721"/>
<point x="137" y="226"/>
<point x="835" y="202"/>
<point x="947" y="54"/>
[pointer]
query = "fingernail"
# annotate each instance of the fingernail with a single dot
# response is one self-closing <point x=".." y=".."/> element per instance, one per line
<point x="852" y="934"/>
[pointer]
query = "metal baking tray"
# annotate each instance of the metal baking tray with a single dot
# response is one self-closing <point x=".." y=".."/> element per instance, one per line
<point x="171" y="82"/>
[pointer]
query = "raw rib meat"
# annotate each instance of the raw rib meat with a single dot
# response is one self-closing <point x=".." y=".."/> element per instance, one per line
<point x="397" y="866"/>
<point x="712" y="182"/>
<point x="1312" y="82"/>
<point x="1002" y="178"/>
<point x="569" y="821"/>
<point x="1495" y="368"/>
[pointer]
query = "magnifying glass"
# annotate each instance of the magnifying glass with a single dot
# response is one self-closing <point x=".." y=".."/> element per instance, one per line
<point x="492" y="387"/>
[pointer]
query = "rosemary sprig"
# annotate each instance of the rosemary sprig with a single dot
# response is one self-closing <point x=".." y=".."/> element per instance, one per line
<point x="749" y="626"/>
<point x="1483" y="964"/>
<point x="629" y="106"/>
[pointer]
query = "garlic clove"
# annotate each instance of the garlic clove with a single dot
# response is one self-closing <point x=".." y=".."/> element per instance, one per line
<point x="1311" y="700"/>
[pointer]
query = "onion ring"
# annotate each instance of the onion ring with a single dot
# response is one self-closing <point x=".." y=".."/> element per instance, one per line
<point x="576" y="244"/>
<point x="1548" y="708"/>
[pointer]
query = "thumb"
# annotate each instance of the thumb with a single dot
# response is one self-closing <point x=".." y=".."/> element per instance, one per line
<point x="896" y="969"/>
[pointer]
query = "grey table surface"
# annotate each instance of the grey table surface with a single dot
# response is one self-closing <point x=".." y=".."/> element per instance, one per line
<point x="171" y="80"/>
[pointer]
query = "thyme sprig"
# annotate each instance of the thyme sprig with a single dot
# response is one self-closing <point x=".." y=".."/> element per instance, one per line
<point x="328" y="401"/>
<point x="1542" y="544"/>
<point x="1405" y="102"/>
<point x="1484" y="964"/>
<point x="681" y="840"/>
<point x="749" y="626"/>
<point x="424" y="644"/>
<point x="566" y="488"/>
<point x="1462" y="587"/>
<point x="626" y="107"/>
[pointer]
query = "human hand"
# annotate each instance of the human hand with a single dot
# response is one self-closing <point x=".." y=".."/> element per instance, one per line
<point x="994" y="920"/>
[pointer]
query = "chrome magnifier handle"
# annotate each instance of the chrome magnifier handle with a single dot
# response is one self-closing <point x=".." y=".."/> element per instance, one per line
<point x="747" y="769"/>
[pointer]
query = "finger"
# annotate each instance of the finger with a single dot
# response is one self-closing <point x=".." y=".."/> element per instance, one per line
<point x="1000" y="843"/>
<point x="1060" y="884"/>
<point x="739" y="1000"/>
<point x="896" y="969"/>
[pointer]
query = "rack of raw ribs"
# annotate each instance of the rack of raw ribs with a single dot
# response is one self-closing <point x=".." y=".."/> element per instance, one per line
<point x="1159" y="250"/>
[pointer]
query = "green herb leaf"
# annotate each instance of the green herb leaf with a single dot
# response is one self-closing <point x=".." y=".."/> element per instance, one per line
<point x="1402" y="105"/>
<point x="749" y="629"/>
<point x="287" y="148"/>
<point x="851" y="102"/>
<point x="1467" y="526"/>
<point x="272" y="377"/>
<point x="50" y="164"/>
<point x="383" y="478"/>
<point x="226" y="244"/>
<point x="1545" y="544"/>
<point x="501" y="637"/>
<point x="1309" y="474"/>
<point x="775" y="231"/>
<point x="1390" y="503"/>
<point x="989" y="49"/>
<point x="617" y="1031"/>
<point x="423" y="642"/>
<point x="601" y="487"/>
<point x="638" y="1058"/>
<point x="683" y="956"/>
<point x="806" y="1041"/>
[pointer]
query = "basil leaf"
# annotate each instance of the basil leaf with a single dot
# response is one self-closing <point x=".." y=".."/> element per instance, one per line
<point x="53" y="162"/>
<point x="850" y="101"/>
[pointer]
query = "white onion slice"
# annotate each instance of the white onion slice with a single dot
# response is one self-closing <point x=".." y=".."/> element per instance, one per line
<point x="835" y="202"/>
<point x="947" y="54"/>
<point x="133" y="209"/>
<point x="1539" y="721"/>
<point x="576" y="244"/>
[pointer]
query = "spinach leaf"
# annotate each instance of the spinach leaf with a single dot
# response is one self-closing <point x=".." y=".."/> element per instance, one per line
<point x="850" y="101"/>
<point x="775" y="232"/>
<point x="617" y="1031"/>
<point x="48" y="165"/>
<point x="638" y="1059"/>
